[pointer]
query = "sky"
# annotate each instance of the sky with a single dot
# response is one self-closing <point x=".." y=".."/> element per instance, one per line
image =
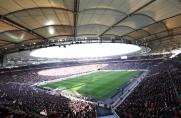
<point x="90" y="50"/>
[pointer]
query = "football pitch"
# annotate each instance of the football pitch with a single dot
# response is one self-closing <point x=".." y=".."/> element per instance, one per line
<point x="98" y="85"/>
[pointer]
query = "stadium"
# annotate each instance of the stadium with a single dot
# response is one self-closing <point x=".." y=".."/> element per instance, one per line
<point x="90" y="59"/>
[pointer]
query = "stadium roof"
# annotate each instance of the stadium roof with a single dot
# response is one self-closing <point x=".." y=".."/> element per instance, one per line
<point x="31" y="23"/>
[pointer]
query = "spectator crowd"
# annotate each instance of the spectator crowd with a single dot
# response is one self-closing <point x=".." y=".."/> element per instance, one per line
<point x="158" y="95"/>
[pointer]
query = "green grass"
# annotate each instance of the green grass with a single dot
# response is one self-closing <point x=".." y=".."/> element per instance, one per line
<point x="97" y="85"/>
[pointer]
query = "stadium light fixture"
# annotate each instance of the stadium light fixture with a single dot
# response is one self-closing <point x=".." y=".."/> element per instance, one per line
<point x="51" y="30"/>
